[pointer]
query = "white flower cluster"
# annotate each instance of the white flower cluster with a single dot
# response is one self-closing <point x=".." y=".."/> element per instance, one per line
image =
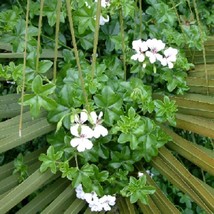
<point x="140" y="174"/>
<point x="104" y="4"/>
<point x="83" y="132"/>
<point x="96" y="204"/>
<point x="151" y="49"/>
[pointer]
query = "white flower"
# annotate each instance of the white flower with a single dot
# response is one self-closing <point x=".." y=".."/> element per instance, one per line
<point x="140" y="174"/>
<point x="82" y="118"/>
<point x="81" y="133"/>
<point x="170" y="57"/>
<point x="99" y="130"/>
<point x="95" y="207"/>
<point x="140" y="47"/>
<point x="104" y="3"/>
<point x="79" y="192"/>
<point x="103" y="20"/>
<point x="87" y="5"/>
<point x="107" y="201"/>
<point x="155" y="46"/>
<point x="95" y="204"/>
<point x="89" y="197"/>
<point x="150" y="173"/>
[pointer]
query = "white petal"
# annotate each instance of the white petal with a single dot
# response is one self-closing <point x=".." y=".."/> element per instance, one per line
<point x="74" y="130"/>
<point x="100" y="130"/>
<point x="94" y="117"/>
<point x="106" y="207"/>
<point x="88" y="197"/>
<point x="140" y="174"/>
<point x="79" y="192"/>
<point x="170" y="52"/>
<point x="148" y="53"/>
<point x="103" y="20"/>
<point x="135" y="57"/>
<point x="87" y="131"/>
<point x="100" y="115"/>
<point x="83" y="116"/>
<point x="143" y="46"/>
<point x="141" y="57"/>
<point x="159" y="57"/>
<point x="170" y="65"/>
<point x="104" y="3"/>
<point x="172" y="58"/>
<point x="88" y="144"/>
<point x="160" y="45"/>
<point x="150" y="43"/>
<point x="136" y="44"/>
<point x="76" y="118"/>
<point x="84" y="144"/>
<point x="79" y="188"/>
<point x="151" y="56"/>
<point x="87" y="5"/>
<point x="75" y="142"/>
<point x="163" y="62"/>
<point x="80" y="195"/>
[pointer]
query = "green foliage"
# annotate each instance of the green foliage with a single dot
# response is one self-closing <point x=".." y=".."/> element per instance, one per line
<point x="121" y="88"/>
<point x="20" y="167"/>
<point x="165" y="111"/>
<point x="110" y="102"/>
<point x="49" y="160"/>
<point x="138" y="190"/>
<point x="40" y="96"/>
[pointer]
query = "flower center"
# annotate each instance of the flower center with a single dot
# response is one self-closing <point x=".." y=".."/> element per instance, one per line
<point x="154" y="51"/>
<point x="82" y="136"/>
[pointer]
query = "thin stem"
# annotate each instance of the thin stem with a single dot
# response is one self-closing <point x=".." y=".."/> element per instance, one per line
<point x="96" y="36"/>
<point x="123" y="41"/>
<point x="180" y="25"/>
<point x="178" y="17"/>
<point x="20" y="6"/>
<point x="202" y="44"/>
<point x="76" y="53"/>
<point x="24" y="68"/>
<point x="59" y="5"/>
<point x="39" y="36"/>
<point x="141" y="17"/>
<point x="203" y="176"/>
<point x="189" y="5"/>
<point x="76" y="161"/>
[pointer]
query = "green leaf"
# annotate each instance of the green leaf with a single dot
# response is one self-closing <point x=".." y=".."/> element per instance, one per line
<point x="123" y="138"/>
<point x="44" y="66"/>
<point x="83" y="176"/>
<point x="37" y="84"/>
<point x="137" y="190"/>
<point x="85" y="19"/>
<point x="49" y="160"/>
<point x="110" y="102"/>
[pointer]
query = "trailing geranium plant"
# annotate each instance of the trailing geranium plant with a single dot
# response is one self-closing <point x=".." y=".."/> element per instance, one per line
<point x="103" y="102"/>
<point x="113" y="132"/>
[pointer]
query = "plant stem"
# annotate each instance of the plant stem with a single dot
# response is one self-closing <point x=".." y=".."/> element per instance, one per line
<point x="24" y="68"/>
<point x="96" y="36"/>
<point x="123" y="41"/>
<point x="141" y="17"/>
<point x="59" y="5"/>
<point x="76" y="53"/>
<point x="202" y="44"/>
<point x="39" y="36"/>
<point x="76" y="161"/>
